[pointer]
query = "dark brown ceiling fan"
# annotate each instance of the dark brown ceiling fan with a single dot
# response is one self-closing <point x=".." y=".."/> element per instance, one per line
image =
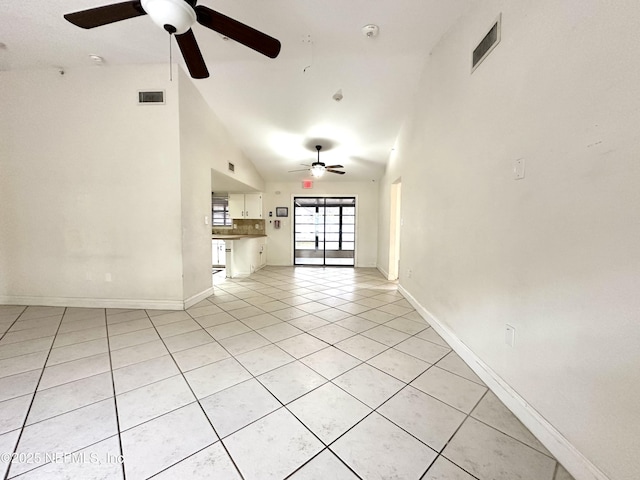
<point x="318" y="168"/>
<point x="177" y="17"/>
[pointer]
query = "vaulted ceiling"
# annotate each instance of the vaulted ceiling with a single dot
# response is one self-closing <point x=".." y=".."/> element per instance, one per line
<point x="277" y="110"/>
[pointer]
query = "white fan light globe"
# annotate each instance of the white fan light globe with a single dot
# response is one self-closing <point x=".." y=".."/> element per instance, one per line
<point x="176" y="13"/>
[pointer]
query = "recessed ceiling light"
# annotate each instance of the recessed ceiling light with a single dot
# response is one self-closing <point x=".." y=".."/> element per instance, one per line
<point x="97" y="59"/>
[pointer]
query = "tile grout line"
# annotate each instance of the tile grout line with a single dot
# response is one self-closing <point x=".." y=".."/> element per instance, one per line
<point x="283" y="405"/>
<point x="115" y="401"/>
<point x="327" y="446"/>
<point x="243" y="289"/>
<point x="13" y="323"/>
<point x="468" y="415"/>
<point x="35" y="392"/>
<point x="197" y="400"/>
<point x="406" y="384"/>
<point x="254" y="377"/>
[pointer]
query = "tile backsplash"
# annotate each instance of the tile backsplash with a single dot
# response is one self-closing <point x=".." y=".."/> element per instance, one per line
<point x="242" y="227"/>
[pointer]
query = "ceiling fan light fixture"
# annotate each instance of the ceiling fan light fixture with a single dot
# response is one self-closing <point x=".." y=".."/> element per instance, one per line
<point x="176" y="13"/>
<point x="317" y="171"/>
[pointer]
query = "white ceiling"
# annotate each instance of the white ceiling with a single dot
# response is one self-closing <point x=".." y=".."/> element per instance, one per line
<point x="276" y="110"/>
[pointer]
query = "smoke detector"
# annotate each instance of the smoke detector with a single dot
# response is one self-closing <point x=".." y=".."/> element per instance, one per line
<point x="370" y="30"/>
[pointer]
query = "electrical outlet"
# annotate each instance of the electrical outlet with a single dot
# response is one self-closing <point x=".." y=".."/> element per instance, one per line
<point x="409" y="272"/>
<point x="518" y="169"/>
<point x="509" y="335"/>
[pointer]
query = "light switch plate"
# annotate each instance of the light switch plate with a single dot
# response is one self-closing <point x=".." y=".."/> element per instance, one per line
<point x="509" y="335"/>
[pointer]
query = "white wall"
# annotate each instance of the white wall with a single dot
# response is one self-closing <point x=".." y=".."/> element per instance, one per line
<point x="557" y="254"/>
<point x="104" y="200"/>
<point x="205" y="147"/>
<point x="280" y="242"/>
<point x="89" y="188"/>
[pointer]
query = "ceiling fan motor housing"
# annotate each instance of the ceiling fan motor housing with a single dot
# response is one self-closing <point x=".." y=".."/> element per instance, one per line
<point x="170" y="13"/>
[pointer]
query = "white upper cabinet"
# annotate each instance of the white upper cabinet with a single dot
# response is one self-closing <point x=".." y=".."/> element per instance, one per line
<point x="245" y="205"/>
<point x="253" y="205"/>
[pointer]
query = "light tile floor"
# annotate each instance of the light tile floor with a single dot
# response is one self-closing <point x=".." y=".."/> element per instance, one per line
<point x="301" y="373"/>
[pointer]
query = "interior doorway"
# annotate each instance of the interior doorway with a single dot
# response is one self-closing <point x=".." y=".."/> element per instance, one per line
<point x="324" y="231"/>
<point x="395" y="226"/>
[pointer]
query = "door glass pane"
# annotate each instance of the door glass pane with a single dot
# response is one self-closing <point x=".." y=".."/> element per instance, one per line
<point x="349" y="211"/>
<point x="324" y="231"/>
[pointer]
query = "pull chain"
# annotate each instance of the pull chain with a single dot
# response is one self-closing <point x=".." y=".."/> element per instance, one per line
<point x="170" y="61"/>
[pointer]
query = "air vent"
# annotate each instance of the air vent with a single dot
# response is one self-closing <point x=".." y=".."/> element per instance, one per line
<point x="151" y="97"/>
<point x="232" y="167"/>
<point x="486" y="46"/>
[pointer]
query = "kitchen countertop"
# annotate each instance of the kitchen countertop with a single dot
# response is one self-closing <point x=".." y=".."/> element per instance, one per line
<point x="218" y="236"/>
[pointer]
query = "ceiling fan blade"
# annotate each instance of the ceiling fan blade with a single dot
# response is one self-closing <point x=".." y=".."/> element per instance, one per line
<point x="301" y="170"/>
<point x="192" y="55"/>
<point x="241" y="33"/>
<point x="96" y="17"/>
<point x="334" y="166"/>
<point x="335" y="171"/>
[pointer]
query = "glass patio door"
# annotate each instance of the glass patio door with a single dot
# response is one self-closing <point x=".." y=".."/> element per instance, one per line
<point x="324" y="231"/>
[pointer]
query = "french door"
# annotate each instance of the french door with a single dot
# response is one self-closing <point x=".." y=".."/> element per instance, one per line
<point x="324" y="231"/>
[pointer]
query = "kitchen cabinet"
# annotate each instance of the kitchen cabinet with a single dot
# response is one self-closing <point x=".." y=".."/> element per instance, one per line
<point x="245" y="205"/>
<point x="236" y="205"/>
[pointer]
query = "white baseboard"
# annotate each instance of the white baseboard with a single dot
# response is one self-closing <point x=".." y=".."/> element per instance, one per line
<point x="92" y="302"/>
<point x="105" y="302"/>
<point x="198" y="297"/>
<point x="240" y="275"/>
<point x="564" y="451"/>
<point x="383" y="271"/>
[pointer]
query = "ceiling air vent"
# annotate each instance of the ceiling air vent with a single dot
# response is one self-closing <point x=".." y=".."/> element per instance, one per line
<point x="155" y="97"/>
<point x="486" y="46"/>
<point x="232" y="167"/>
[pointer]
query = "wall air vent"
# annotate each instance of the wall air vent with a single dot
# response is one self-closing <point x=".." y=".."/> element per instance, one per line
<point x="488" y="43"/>
<point x="155" y="97"/>
<point x="232" y="167"/>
